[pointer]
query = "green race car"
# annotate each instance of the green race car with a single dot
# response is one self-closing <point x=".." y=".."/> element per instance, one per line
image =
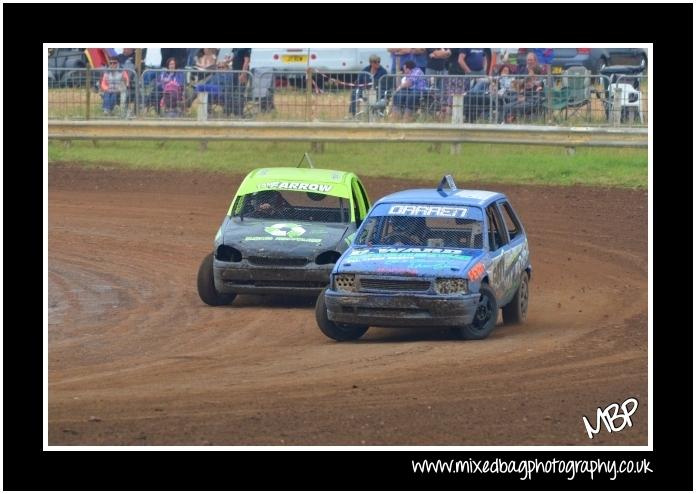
<point x="283" y="233"/>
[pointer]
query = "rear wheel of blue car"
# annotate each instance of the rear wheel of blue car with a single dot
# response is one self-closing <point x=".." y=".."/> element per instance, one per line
<point x="206" y="285"/>
<point x="485" y="318"/>
<point x="516" y="311"/>
<point x="336" y="331"/>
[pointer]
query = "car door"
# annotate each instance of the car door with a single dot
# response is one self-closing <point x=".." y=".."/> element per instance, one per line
<point x="498" y="246"/>
<point x="516" y="255"/>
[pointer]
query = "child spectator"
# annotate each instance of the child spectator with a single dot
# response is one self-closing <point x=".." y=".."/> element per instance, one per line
<point x="170" y="85"/>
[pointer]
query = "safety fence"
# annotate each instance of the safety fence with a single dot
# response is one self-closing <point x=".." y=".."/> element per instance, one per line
<point x="573" y="98"/>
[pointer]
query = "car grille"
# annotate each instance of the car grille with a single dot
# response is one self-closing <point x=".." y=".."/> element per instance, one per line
<point x="277" y="261"/>
<point x="394" y="285"/>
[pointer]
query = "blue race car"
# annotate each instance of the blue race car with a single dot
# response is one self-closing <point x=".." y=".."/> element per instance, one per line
<point x="431" y="257"/>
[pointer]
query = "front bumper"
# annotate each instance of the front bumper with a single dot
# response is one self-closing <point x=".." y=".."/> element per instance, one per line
<point x="381" y="309"/>
<point x="244" y="277"/>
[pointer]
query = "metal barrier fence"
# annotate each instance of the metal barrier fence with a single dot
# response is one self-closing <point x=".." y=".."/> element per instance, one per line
<point x="573" y="98"/>
<point x="89" y="94"/>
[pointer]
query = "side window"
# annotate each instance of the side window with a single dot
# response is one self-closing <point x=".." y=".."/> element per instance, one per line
<point x="364" y="195"/>
<point x="360" y="200"/>
<point x="496" y="234"/>
<point x="356" y="206"/>
<point x="511" y="221"/>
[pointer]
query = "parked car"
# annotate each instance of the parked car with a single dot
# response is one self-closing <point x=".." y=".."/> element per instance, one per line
<point x="431" y="257"/>
<point x="65" y="67"/>
<point x="283" y="232"/>
<point x="594" y="59"/>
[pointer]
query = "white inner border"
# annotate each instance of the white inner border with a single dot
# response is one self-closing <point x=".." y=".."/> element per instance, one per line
<point x="649" y="447"/>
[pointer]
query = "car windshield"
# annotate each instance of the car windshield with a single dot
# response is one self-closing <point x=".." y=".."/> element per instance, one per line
<point x="417" y="231"/>
<point x="292" y="205"/>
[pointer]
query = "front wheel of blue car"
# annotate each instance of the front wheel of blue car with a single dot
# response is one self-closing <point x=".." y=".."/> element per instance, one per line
<point x="485" y="318"/>
<point x="206" y="285"/>
<point x="336" y="331"/>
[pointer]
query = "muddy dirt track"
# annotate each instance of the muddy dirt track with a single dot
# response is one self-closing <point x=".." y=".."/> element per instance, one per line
<point x="135" y="358"/>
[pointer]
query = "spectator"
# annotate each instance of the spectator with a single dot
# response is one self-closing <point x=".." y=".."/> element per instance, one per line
<point x="544" y="58"/>
<point x="456" y="83"/>
<point x="402" y="55"/>
<point x="241" y="58"/>
<point x="409" y="93"/>
<point x="529" y="98"/>
<point x="207" y="58"/>
<point x="127" y="58"/>
<point x="437" y="63"/>
<point x="473" y="62"/>
<point x="363" y="81"/>
<point x="114" y="85"/>
<point x="170" y="84"/>
<point x="179" y="54"/>
<point x="533" y="69"/>
<point x="504" y="81"/>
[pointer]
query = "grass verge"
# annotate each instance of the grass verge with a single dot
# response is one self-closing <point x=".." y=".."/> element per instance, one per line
<point x="616" y="167"/>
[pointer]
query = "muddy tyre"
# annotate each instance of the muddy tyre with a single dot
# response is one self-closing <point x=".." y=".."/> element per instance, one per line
<point x="336" y="331"/>
<point x="516" y="311"/>
<point x="206" y="285"/>
<point x="485" y="318"/>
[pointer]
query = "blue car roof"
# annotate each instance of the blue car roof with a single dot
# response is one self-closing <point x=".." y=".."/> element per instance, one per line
<point x="462" y="197"/>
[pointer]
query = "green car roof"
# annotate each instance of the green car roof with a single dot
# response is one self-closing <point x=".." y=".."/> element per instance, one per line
<point x="329" y="182"/>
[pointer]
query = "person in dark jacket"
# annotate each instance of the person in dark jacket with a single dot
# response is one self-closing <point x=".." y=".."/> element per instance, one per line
<point x="364" y="81"/>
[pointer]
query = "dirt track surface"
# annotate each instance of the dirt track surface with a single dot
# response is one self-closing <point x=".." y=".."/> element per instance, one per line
<point x="135" y="358"/>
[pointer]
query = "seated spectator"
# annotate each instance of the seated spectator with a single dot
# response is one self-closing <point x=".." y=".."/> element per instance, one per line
<point x="504" y="81"/>
<point x="179" y="54"/>
<point x="207" y="59"/>
<point x="528" y="94"/>
<point x="407" y="96"/>
<point x="364" y="82"/>
<point x="114" y="86"/>
<point x="170" y="85"/>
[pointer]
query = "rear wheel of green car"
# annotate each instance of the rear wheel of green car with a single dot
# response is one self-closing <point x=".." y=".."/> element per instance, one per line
<point x="485" y="318"/>
<point x="206" y="285"/>
<point x="516" y="311"/>
<point x="336" y="331"/>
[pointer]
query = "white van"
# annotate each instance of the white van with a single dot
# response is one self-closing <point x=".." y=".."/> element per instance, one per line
<point x="323" y="59"/>
<point x="265" y="62"/>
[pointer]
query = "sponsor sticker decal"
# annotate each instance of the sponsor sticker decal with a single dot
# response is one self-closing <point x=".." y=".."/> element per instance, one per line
<point x="291" y="230"/>
<point x="425" y="210"/>
<point x="304" y="186"/>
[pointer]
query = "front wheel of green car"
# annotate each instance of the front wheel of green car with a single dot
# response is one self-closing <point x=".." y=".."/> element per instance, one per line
<point x="336" y="331"/>
<point x="206" y="285"/>
<point x="485" y="318"/>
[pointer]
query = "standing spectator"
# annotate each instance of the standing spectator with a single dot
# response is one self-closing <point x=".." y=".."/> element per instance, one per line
<point x="127" y="58"/>
<point x="410" y="91"/>
<point x="114" y="84"/>
<point x="437" y="63"/>
<point x="241" y="58"/>
<point x="474" y="62"/>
